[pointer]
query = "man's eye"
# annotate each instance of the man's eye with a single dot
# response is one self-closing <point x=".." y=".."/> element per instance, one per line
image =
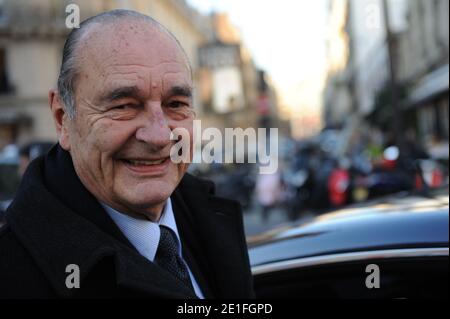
<point x="177" y="104"/>
<point x="124" y="107"/>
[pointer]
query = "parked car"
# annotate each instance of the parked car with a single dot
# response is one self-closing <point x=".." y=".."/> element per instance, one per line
<point x="405" y="237"/>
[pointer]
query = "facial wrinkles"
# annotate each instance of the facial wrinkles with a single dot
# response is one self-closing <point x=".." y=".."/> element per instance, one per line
<point x="123" y="48"/>
<point x="152" y="80"/>
<point x="90" y="136"/>
<point x="132" y="76"/>
<point x="137" y="77"/>
<point x="91" y="114"/>
<point x="157" y="81"/>
<point x="94" y="134"/>
<point x="94" y="176"/>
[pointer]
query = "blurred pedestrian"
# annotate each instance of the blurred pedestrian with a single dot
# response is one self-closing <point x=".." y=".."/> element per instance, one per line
<point x="268" y="192"/>
<point x="31" y="151"/>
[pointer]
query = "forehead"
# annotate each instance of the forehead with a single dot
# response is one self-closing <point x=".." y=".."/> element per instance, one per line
<point x="132" y="51"/>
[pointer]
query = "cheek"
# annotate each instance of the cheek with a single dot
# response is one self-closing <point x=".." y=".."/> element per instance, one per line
<point x="108" y="136"/>
<point x="178" y="172"/>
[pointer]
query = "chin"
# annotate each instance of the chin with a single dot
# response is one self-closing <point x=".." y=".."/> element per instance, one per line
<point x="147" y="194"/>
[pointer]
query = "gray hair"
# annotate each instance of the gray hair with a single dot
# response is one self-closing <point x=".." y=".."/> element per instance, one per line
<point x="69" y="68"/>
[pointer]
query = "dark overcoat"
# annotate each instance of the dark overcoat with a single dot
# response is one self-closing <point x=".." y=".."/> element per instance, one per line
<point x="55" y="222"/>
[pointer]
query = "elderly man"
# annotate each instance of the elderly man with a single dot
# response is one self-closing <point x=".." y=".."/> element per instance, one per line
<point x="107" y="213"/>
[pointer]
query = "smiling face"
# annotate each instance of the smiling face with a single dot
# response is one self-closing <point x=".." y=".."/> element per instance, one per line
<point x="132" y="89"/>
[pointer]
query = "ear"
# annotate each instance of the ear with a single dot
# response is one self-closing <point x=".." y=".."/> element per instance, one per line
<point x="60" y="118"/>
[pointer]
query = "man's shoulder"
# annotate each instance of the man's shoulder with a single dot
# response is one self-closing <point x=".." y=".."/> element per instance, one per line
<point x="19" y="275"/>
<point x="199" y="188"/>
<point x="201" y="184"/>
<point x="8" y="243"/>
<point x="13" y="254"/>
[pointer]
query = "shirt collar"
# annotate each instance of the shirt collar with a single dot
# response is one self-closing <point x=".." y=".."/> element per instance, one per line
<point x="143" y="234"/>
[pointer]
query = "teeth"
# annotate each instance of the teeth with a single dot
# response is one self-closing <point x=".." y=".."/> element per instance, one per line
<point x="136" y="162"/>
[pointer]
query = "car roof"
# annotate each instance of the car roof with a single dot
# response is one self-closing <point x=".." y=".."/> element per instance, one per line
<point x="401" y="221"/>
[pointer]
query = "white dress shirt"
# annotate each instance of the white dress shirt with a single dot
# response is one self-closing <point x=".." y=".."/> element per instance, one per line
<point x="144" y="234"/>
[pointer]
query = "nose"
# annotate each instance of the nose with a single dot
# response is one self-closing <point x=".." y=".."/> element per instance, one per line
<point x="154" y="130"/>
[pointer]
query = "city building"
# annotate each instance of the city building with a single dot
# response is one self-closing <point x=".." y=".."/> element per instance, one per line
<point x="337" y="99"/>
<point x="424" y="69"/>
<point x="358" y="82"/>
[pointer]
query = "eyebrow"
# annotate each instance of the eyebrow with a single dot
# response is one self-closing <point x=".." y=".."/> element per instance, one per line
<point x="133" y="92"/>
<point x="120" y="93"/>
<point x="185" y="91"/>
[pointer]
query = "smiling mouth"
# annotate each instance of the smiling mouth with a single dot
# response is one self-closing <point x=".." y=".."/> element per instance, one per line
<point x="137" y="163"/>
<point x="147" y="167"/>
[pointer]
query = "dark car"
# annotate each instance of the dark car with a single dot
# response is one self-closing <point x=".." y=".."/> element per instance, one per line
<point x="396" y="247"/>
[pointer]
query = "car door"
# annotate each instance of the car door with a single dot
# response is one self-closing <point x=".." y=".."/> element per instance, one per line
<point x="409" y="273"/>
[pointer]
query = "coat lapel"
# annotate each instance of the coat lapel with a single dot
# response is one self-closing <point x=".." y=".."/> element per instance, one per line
<point x="191" y="246"/>
<point x="218" y="225"/>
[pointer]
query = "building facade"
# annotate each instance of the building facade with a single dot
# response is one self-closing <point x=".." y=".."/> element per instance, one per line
<point x="32" y="34"/>
<point x="424" y="69"/>
<point x="357" y="87"/>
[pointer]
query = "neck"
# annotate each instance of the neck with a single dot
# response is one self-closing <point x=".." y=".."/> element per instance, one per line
<point x="152" y="214"/>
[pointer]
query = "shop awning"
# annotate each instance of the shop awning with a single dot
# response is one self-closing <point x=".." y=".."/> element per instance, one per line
<point x="432" y="85"/>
